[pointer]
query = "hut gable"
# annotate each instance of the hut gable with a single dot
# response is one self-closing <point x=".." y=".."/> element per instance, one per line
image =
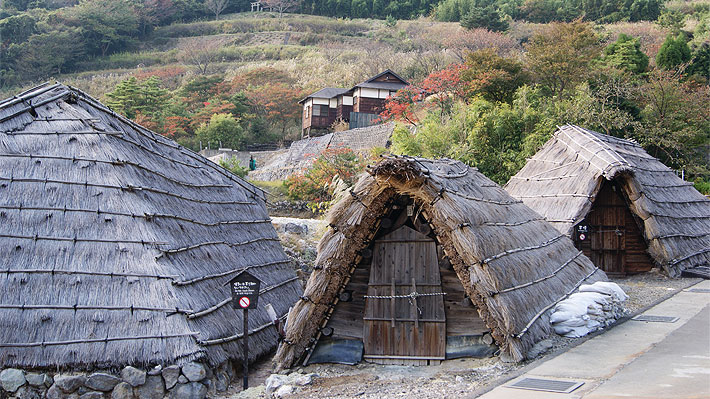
<point x="117" y="242"/>
<point x="564" y="178"/>
<point x="511" y="263"/>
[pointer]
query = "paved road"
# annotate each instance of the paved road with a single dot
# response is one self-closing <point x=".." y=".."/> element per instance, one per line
<point x="636" y="359"/>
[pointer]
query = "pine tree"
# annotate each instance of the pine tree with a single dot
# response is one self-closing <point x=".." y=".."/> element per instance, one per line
<point x="673" y="52"/>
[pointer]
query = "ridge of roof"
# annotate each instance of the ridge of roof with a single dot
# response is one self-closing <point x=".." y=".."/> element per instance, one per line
<point x="385" y="72"/>
<point x="327" y="92"/>
<point x="615" y="163"/>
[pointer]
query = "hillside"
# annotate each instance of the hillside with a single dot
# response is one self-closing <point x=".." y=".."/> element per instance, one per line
<point x="315" y="51"/>
<point x="236" y="82"/>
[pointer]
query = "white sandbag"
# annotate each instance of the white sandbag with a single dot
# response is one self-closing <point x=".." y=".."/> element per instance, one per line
<point x="607" y="288"/>
<point x="576" y="332"/>
<point x="591" y="297"/>
<point x="596" y="306"/>
<point x="574" y="321"/>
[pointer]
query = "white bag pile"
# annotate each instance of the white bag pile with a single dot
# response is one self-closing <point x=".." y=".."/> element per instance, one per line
<point x="594" y="307"/>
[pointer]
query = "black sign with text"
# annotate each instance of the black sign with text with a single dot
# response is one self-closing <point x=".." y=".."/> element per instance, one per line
<point x="245" y="290"/>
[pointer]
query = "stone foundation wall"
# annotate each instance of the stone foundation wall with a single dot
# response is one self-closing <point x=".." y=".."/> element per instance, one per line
<point x="189" y="381"/>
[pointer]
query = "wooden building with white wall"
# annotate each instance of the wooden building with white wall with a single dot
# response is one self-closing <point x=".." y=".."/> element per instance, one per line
<point x="358" y="106"/>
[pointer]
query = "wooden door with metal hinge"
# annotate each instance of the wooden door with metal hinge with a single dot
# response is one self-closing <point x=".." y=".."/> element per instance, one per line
<point x="608" y="220"/>
<point x="404" y="320"/>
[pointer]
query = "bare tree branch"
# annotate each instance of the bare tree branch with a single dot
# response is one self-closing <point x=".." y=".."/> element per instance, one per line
<point x="216" y="6"/>
<point x="282" y="5"/>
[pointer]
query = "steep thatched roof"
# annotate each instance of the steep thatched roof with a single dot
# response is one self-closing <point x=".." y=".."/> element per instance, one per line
<point x="562" y="180"/>
<point x="116" y="243"/>
<point x="512" y="264"/>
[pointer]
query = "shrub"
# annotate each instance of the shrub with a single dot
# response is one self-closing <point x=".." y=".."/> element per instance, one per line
<point x="232" y="165"/>
<point x="702" y="185"/>
<point x="334" y="169"/>
<point x="625" y="53"/>
<point x="222" y="129"/>
<point x="673" y="52"/>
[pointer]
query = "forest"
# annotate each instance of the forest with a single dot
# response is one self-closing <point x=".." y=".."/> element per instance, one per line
<point x="490" y="79"/>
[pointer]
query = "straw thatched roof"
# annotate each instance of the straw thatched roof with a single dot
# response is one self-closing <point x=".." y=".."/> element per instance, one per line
<point x="512" y="264"/>
<point x="562" y="180"/>
<point x="116" y="243"/>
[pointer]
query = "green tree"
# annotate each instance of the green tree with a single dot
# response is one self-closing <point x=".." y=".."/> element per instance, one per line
<point x="625" y="53"/>
<point x="132" y="97"/>
<point x="672" y="20"/>
<point x="46" y="54"/>
<point x="16" y="29"/>
<point x="700" y="63"/>
<point x="223" y="130"/>
<point x="676" y="122"/>
<point x="673" y="52"/>
<point x="644" y="10"/>
<point x="560" y="56"/>
<point x="484" y="17"/>
<point x="494" y="77"/>
<point x="106" y="24"/>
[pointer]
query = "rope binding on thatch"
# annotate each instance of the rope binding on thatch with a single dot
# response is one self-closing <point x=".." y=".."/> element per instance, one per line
<point x="147" y="216"/>
<point x="411" y="295"/>
<point x="512" y="251"/>
<point x="94" y="340"/>
<point x="541" y="279"/>
<point x="128" y="187"/>
<point x="548" y="307"/>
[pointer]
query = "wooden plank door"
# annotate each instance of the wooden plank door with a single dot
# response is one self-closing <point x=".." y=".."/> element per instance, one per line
<point x="607" y="222"/>
<point x="401" y="321"/>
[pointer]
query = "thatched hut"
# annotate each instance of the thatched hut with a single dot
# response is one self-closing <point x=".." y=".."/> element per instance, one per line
<point x="623" y="208"/>
<point x="116" y="243"/>
<point x="409" y="242"/>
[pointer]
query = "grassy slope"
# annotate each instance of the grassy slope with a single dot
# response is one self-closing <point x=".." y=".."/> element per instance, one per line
<point x="317" y="51"/>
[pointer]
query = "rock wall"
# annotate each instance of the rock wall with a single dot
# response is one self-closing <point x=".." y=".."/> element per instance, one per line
<point x="189" y="381"/>
<point x="302" y="153"/>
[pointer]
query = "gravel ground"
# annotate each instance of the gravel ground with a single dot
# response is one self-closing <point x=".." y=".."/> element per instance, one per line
<point x="452" y="378"/>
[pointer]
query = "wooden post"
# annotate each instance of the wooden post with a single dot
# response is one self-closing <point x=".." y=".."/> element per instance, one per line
<point x="416" y="308"/>
<point x="392" y="301"/>
<point x="245" y="364"/>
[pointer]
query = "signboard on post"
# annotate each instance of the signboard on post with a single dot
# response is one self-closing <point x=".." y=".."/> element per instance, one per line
<point x="245" y="295"/>
<point x="245" y="290"/>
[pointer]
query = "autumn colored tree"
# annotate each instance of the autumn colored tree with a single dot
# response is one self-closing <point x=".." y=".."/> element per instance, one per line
<point x="402" y="106"/>
<point x="560" y="56"/>
<point x="443" y="88"/>
<point x="277" y="103"/>
<point x="494" y="77"/>
<point x="332" y="168"/>
<point x="439" y="90"/>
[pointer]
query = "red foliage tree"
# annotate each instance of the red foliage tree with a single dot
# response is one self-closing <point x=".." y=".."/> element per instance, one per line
<point x="440" y="89"/>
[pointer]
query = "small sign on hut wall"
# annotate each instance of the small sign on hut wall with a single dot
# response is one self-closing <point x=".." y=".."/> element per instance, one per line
<point x="245" y="290"/>
<point x="582" y="231"/>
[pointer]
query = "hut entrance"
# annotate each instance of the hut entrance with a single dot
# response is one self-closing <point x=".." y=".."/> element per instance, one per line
<point x="404" y="306"/>
<point x="370" y="322"/>
<point x="610" y="235"/>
